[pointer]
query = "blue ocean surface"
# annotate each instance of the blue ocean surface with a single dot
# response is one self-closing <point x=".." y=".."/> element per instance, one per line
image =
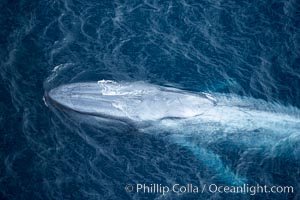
<point x="248" y="48"/>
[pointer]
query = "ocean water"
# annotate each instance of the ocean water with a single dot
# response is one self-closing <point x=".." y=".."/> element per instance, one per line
<point x="242" y="47"/>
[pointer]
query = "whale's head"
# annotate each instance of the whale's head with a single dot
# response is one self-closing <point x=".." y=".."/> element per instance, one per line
<point x="137" y="101"/>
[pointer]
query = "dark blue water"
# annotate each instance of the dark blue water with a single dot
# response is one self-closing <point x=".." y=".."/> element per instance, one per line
<point x="249" y="48"/>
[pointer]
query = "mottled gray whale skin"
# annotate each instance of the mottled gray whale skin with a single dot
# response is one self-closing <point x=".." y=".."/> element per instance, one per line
<point x="137" y="101"/>
<point x="184" y="114"/>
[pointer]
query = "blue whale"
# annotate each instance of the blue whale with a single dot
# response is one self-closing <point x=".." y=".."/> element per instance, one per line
<point x="185" y="116"/>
